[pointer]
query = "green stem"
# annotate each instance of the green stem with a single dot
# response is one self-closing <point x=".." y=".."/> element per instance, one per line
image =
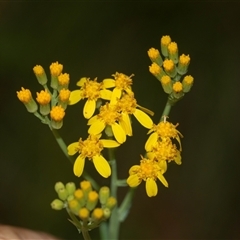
<point x="85" y="233"/>
<point x="103" y="230"/>
<point x="114" y="223"/>
<point x="167" y="109"/>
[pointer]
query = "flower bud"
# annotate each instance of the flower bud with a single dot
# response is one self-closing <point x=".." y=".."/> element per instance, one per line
<point x="57" y="204"/>
<point x="104" y="193"/>
<point x="71" y="187"/>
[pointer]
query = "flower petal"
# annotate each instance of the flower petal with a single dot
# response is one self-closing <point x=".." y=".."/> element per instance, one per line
<point x="152" y="140"/>
<point x="89" y="108"/>
<point x="134" y="169"/>
<point x="126" y="124"/>
<point x="108" y="83"/>
<point x="72" y="148"/>
<point x="178" y="159"/>
<point x="162" y="179"/>
<point x="143" y="118"/>
<point x="107" y="143"/>
<point x="118" y="133"/>
<point x="116" y="95"/>
<point x="105" y="94"/>
<point x="151" y="187"/>
<point x="102" y="166"/>
<point x="75" y="96"/>
<point x="133" y="180"/>
<point x="79" y="166"/>
<point x="97" y="127"/>
<point x="81" y="82"/>
<point x="92" y="120"/>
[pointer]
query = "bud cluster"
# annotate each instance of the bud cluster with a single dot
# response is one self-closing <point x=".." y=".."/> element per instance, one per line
<point x="171" y="68"/>
<point x="91" y="207"/>
<point x="50" y="103"/>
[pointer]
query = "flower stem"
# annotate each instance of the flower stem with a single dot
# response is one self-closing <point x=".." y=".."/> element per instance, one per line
<point x="114" y="222"/>
<point x="167" y="109"/>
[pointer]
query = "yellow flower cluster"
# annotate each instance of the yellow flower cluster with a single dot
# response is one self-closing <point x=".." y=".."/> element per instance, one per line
<point x="160" y="150"/>
<point x="90" y="206"/>
<point x="115" y="108"/>
<point x="53" y="103"/>
<point x="172" y="68"/>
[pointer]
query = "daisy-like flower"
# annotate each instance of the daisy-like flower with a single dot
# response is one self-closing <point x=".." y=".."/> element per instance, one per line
<point x="91" y="148"/>
<point x="120" y="83"/>
<point x="127" y="105"/>
<point x="162" y="130"/>
<point x="165" y="150"/>
<point x="148" y="171"/>
<point x="108" y="116"/>
<point x="92" y="90"/>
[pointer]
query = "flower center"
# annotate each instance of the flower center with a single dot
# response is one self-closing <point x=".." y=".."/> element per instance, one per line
<point x="166" y="129"/>
<point x="91" y="90"/>
<point x="127" y="104"/>
<point x="90" y="147"/>
<point x="122" y="81"/>
<point x="148" y="169"/>
<point x="108" y="113"/>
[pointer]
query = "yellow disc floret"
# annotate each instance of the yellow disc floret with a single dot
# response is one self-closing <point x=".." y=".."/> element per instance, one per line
<point x="64" y="95"/>
<point x="153" y="53"/>
<point x="63" y="79"/>
<point x="172" y="47"/>
<point x="24" y="95"/>
<point x="177" y="87"/>
<point x="38" y="70"/>
<point x="90" y="147"/>
<point x="57" y="113"/>
<point x="122" y="81"/>
<point x="56" y="68"/>
<point x="43" y="97"/>
<point x="168" y="65"/>
<point x="165" y="40"/>
<point x="154" y="69"/>
<point x="184" y="59"/>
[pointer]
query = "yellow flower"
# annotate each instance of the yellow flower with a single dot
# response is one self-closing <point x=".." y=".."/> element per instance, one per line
<point x="165" y="150"/>
<point x="64" y="95"/>
<point x="56" y="68"/>
<point x="57" y="113"/>
<point x="63" y="80"/>
<point x="148" y="171"/>
<point x="165" y="41"/>
<point x="127" y="105"/>
<point x="162" y="130"/>
<point x="43" y="98"/>
<point x="40" y="74"/>
<point x="121" y="83"/>
<point x="108" y="116"/>
<point x="91" y="148"/>
<point x="92" y="90"/>
<point x="25" y="96"/>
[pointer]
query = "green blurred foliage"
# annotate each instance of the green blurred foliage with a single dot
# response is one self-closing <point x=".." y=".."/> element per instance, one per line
<point x="96" y="39"/>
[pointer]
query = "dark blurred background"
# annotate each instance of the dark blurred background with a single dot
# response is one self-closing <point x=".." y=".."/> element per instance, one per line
<point x="96" y="39"/>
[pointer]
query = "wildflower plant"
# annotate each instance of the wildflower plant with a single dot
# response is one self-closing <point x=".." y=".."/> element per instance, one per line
<point x="109" y="107"/>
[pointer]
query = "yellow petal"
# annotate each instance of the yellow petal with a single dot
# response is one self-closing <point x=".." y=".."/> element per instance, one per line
<point x="102" y="166"/>
<point x="92" y="120"/>
<point x="109" y="143"/>
<point x="151" y="141"/>
<point x="126" y="124"/>
<point x="134" y="169"/>
<point x="108" y="83"/>
<point x="105" y="94"/>
<point x="116" y="95"/>
<point x="151" y="187"/>
<point x="81" y="82"/>
<point x="97" y="127"/>
<point x="162" y="179"/>
<point x="79" y="166"/>
<point x="163" y="166"/>
<point x="143" y="118"/>
<point x="72" y="148"/>
<point x="118" y="133"/>
<point x="133" y="180"/>
<point x="89" y="108"/>
<point x="75" y="96"/>
<point x="178" y="158"/>
<point x="146" y="110"/>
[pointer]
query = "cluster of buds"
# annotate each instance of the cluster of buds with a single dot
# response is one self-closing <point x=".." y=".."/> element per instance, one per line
<point x="171" y="68"/>
<point x="50" y="103"/>
<point x="86" y="207"/>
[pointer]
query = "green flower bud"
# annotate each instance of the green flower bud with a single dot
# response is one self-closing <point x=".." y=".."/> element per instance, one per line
<point x="63" y="194"/>
<point x="58" y="186"/>
<point x="106" y="213"/>
<point x="86" y="188"/>
<point x="187" y="83"/>
<point x="92" y="200"/>
<point x="166" y="84"/>
<point x="111" y="203"/>
<point x="57" y="204"/>
<point x="74" y="206"/>
<point x="40" y="74"/>
<point x="79" y="195"/>
<point x="97" y="214"/>
<point x="71" y="187"/>
<point x="84" y="214"/>
<point x="104" y="194"/>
